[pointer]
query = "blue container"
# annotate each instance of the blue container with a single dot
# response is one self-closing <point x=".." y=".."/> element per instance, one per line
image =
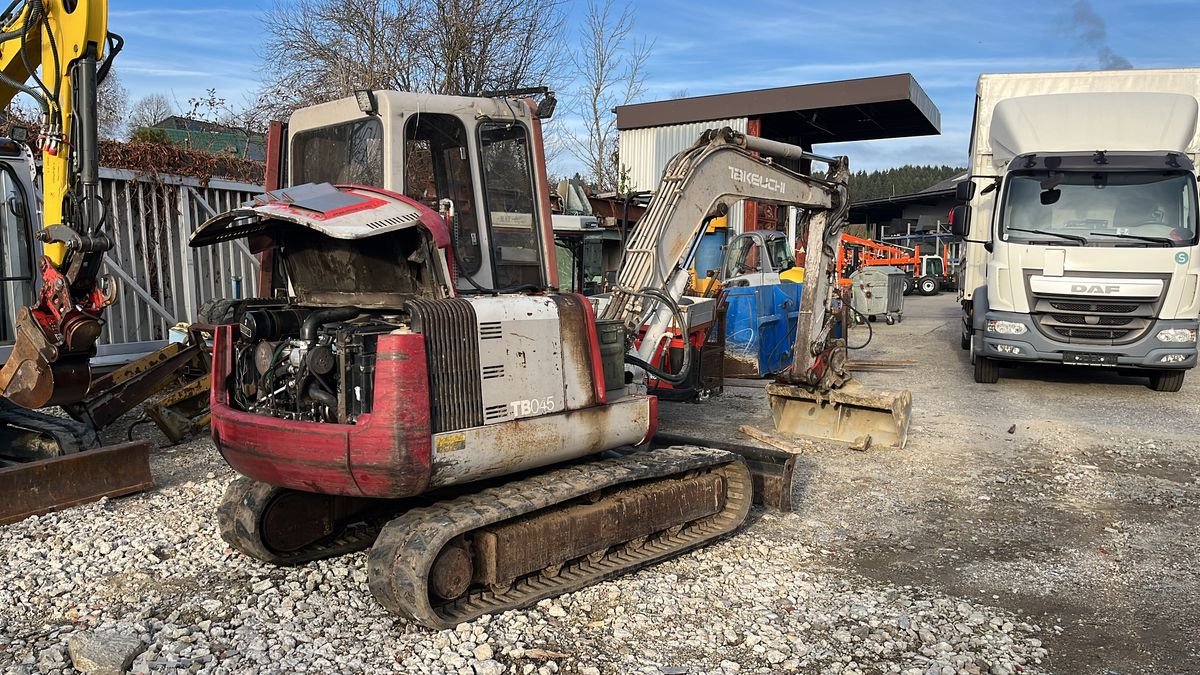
<point x="709" y="254"/>
<point x="760" y="328"/>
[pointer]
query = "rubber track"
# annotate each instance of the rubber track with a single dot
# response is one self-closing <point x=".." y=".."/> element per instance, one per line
<point x="70" y="436"/>
<point x="400" y="561"/>
<point x="238" y="519"/>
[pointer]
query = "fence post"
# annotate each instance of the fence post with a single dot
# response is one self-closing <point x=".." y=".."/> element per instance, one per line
<point x="189" y="256"/>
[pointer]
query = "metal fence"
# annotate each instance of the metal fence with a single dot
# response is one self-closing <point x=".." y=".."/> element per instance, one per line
<point x="164" y="281"/>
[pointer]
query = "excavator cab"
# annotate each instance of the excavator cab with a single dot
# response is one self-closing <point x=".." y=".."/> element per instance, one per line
<point x="476" y="162"/>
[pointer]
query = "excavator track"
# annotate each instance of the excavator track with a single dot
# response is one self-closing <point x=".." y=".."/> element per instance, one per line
<point x="264" y="522"/>
<point x="420" y="565"/>
<point x="431" y="564"/>
<point x="29" y="435"/>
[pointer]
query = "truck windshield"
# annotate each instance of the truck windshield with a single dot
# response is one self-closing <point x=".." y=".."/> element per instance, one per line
<point x="1100" y="209"/>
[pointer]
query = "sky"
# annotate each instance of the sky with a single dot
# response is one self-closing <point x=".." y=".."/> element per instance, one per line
<point x="711" y="46"/>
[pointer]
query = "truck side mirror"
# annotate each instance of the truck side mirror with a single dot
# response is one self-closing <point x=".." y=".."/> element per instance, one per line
<point x="964" y="191"/>
<point x="960" y="220"/>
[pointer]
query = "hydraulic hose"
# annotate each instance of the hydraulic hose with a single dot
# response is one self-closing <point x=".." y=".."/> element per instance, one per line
<point x="316" y="393"/>
<point x="866" y="321"/>
<point x="686" y="366"/>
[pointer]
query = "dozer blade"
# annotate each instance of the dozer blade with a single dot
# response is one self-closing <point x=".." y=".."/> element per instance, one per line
<point x="852" y="413"/>
<point x="47" y="485"/>
<point x="34" y="376"/>
<point x="771" y="470"/>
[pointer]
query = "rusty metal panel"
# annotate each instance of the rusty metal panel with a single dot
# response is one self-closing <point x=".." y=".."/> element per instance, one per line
<point x="514" y="549"/>
<point x="52" y="484"/>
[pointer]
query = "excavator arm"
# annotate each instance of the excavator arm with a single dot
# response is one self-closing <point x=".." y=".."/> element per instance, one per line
<point x="56" y="336"/>
<point x="815" y="396"/>
<point x="700" y="183"/>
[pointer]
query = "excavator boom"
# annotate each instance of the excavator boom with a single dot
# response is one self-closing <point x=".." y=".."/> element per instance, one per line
<point x="816" y="396"/>
<point x="56" y="336"/>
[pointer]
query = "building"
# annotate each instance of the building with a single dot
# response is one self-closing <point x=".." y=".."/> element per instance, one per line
<point x="807" y="115"/>
<point x="215" y="138"/>
<point x="916" y="219"/>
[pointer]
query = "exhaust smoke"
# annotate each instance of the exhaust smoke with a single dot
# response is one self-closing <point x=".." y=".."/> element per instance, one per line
<point x="1092" y="31"/>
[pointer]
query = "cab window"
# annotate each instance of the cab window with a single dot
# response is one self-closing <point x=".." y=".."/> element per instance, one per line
<point x="16" y="250"/>
<point x="437" y="172"/>
<point x="343" y="154"/>
<point x="511" y="204"/>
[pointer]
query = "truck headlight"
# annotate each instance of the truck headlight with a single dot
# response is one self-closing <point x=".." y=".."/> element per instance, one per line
<point x="1177" y="335"/>
<point x="1006" y="327"/>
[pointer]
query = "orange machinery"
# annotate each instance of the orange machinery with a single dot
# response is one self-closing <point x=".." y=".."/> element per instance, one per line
<point x="857" y="252"/>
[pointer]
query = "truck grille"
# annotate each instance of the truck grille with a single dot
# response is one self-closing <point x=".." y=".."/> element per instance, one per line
<point x="1098" y="322"/>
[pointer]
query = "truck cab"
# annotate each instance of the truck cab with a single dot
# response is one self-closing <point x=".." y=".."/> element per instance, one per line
<point x="1082" y="227"/>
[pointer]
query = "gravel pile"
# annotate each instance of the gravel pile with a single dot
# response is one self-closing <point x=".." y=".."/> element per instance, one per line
<point x="149" y="579"/>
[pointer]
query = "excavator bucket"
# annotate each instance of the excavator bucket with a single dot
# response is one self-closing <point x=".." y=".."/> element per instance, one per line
<point x="851" y="413"/>
<point x="33" y="377"/>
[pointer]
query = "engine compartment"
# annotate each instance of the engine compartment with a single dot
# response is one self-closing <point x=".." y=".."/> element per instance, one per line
<point x="314" y="364"/>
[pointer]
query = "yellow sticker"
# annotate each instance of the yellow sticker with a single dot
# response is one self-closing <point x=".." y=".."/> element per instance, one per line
<point x="451" y="442"/>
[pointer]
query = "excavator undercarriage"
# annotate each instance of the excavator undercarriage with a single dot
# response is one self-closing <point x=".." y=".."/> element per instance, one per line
<point x="486" y="550"/>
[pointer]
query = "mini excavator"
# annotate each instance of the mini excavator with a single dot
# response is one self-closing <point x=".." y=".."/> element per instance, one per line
<point x="422" y="389"/>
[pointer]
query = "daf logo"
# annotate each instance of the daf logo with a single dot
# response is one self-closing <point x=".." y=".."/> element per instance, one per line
<point x="1095" y="289"/>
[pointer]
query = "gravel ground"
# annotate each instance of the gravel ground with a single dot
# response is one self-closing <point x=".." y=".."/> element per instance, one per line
<point x="1068" y="497"/>
<point x="916" y="561"/>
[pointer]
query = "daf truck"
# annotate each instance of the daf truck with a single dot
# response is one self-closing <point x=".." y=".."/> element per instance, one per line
<point x="1080" y="222"/>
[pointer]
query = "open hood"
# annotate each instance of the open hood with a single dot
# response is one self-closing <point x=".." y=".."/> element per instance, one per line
<point x="340" y="212"/>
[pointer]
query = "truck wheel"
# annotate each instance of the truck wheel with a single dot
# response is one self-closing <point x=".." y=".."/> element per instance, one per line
<point x="907" y="285"/>
<point x="927" y="286"/>
<point x="1166" y="380"/>
<point x="986" y="370"/>
<point x="964" y="341"/>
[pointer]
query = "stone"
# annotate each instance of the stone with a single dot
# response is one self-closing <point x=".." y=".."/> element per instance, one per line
<point x="103" y="653"/>
<point x="488" y="667"/>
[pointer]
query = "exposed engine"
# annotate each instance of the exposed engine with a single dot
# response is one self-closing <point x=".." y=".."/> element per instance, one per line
<point x="312" y="364"/>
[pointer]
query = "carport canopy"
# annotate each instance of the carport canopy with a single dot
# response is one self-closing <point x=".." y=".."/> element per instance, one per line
<point x="891" y="106"/>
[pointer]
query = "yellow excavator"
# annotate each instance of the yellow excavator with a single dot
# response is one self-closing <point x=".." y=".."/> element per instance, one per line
<point x="57" y="52"/>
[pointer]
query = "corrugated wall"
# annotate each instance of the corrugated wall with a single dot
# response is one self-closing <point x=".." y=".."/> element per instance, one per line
<point x="644" y="153"/>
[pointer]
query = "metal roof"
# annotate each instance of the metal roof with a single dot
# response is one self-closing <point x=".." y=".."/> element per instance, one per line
<point x="890" y="106"/>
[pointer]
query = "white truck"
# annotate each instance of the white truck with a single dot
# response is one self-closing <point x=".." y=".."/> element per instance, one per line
<point x="1080" y="216"/>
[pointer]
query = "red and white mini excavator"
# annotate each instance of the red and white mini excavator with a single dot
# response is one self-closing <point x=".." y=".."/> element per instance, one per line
<point x="421" y="388"/>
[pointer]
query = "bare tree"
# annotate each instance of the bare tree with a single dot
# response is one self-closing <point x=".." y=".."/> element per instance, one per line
<point x="318" y="50"/>
<point x="112" y="104"/>
<point x="150" y="110"/>
<point x="610" y="69"/>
